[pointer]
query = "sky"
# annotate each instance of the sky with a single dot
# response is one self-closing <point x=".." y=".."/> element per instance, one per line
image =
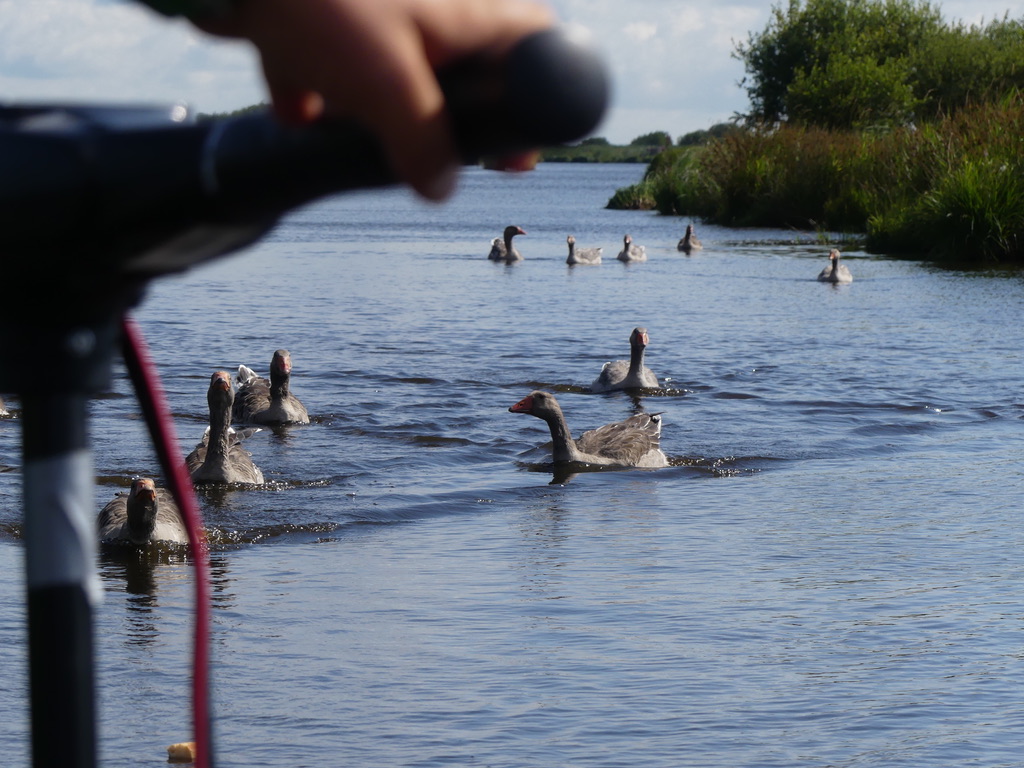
<point x="670" y="61"/>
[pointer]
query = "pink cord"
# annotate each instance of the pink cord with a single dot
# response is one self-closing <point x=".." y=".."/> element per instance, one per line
<point x="161" y="428"/>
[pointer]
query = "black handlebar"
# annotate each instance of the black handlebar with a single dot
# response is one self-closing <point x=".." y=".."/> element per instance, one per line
<point x="97" y="192"/>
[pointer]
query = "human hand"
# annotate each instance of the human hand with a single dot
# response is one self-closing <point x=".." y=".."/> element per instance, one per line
<point x="374" y="61"/>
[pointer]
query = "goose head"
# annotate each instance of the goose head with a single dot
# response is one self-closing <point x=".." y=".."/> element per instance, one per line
<point x="220" y="393"/>
<point x="540" y="404"/>
<point x="639" y="338"/>
<point x="141" y="508"/>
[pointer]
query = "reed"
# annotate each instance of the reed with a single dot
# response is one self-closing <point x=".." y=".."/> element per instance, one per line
<point x="967" y="205"/>
<point x="975" y="214"/>
<point x="669" y="173"/>
<point x="635" y="197"/>
<point x="951" y="190"/>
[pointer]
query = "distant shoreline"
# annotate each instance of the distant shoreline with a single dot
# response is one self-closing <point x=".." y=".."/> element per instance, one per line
<point x="599" y="154"/>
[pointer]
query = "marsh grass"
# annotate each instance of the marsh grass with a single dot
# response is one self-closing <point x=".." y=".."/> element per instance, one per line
<point x="952" y="190"/>
<point x="668" y="174"/>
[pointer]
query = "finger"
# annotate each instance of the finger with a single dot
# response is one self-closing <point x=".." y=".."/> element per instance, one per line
<point x="415" y="125"/>
<point x="454" y="30"/>
<point x="294" y="105"/>
<point x="412" y="122"/>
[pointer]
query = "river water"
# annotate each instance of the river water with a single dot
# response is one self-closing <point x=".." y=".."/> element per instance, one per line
<point x="828" y="574"/>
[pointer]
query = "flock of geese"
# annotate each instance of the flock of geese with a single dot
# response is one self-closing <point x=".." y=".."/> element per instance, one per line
<point x="503" y="249"/>
<point x="635" y="442"/>
<point x="147" y="513"/>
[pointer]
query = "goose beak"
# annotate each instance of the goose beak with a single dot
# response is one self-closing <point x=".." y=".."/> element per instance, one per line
<point x="523" y="406"/>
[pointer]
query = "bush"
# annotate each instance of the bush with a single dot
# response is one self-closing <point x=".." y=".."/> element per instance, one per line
<point x="952" y="190"/>
<point x="792" y="177"/>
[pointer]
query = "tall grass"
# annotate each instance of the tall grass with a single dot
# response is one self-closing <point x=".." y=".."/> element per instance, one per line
<point x="668" y="172"/>
<point x="969" y="205"/>
<point x="950" y="190"/>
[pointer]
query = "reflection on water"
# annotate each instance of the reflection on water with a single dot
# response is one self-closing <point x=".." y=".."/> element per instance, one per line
<point x="134" y="568"/>
<point x="826" y="574"/>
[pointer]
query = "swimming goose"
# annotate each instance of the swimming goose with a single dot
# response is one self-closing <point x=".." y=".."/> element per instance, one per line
<point x="582" y="255"/>
<point x="689" y="241"/>
<point x="144" y="514"/>
<point x="259" y="401"/>
<point x="635" y="442"/>
<point x="632" y="252"/>
<point x="502" y="249"/>
<point x="622" y="375"/>
<point x="835" y="272"/>
<point x="220" y="457"/>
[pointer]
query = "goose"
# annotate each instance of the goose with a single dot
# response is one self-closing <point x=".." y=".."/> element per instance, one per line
<point x="622" y="375"/>
<point x="502" y="248"/>
<point x="497" y="250"/>
<point x="635" y="442"/>
<point x="582" y="255"/>
<point x="144" y="514"/>
<point x="219" y="457"/>
<point x="689" y="241"/>
<point x="835" y="272"/>
<point x="631" y="252"/>
<point x="259" y="401"/>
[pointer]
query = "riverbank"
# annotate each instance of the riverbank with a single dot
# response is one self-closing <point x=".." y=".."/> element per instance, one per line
<point x="599" y="153"/>
<point x="951" y="190"/>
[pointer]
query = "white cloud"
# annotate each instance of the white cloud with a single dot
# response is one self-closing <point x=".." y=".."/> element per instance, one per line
<point x="75" y="50"/>
<point x="975" y="12"/>
<point x="672" y="68"/>
<point x="640" y="31"/>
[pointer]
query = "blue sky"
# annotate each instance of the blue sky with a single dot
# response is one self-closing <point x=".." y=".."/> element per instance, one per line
<point x="670" y="60"/>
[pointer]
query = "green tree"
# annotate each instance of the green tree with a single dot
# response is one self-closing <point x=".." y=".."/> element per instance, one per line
<point x="801" y="40"/>
<point x="852" y="93"/>
<point x="962" y="66"/>
<point x="696" y="138"/>
<point x="654" y="139"/>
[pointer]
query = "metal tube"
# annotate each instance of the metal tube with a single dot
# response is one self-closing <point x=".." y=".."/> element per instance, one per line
<point x="59" y="367"/>
<point x="61" y="580"/>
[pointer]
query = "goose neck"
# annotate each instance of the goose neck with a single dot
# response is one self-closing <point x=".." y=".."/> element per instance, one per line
<point x="563" y="447"/>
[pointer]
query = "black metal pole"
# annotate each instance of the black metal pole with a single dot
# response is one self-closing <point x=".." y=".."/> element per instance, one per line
<point x="61" y="367"/>
<point x="58" y="480"/>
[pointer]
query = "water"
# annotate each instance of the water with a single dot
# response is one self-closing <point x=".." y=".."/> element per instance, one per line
<point x="829" y="573"/>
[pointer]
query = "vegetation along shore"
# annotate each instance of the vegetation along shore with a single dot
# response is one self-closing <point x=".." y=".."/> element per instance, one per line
<point x="872" y="117"/>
